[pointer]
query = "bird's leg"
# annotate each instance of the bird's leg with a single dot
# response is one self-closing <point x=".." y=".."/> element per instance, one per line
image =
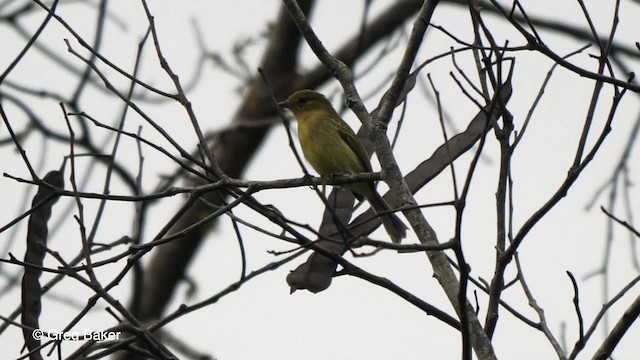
<point x="333" y="177"/>
<point x="323" y="181"/>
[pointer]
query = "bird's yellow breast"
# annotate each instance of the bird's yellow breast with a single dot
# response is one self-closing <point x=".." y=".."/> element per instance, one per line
<point x="324" y="148"/>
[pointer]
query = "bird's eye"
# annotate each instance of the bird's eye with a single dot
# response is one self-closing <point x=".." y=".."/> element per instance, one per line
<point x="302" y="100"/>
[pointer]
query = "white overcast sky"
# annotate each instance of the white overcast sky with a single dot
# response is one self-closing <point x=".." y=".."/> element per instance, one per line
<point x="352" y="319"/>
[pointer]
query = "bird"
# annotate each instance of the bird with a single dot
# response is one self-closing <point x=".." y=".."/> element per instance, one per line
<point x="331" y="147"/>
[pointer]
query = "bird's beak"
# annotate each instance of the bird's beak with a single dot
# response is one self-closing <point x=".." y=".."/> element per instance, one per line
<point x="284" y="104"/>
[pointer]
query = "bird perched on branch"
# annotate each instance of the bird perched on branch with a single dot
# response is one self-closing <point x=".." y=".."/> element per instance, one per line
<point x="331" y="147"/>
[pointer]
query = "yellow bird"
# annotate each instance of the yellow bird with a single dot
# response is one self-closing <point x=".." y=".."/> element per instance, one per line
<point x="331" y="147"/>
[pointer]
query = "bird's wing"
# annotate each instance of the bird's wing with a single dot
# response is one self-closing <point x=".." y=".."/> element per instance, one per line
<point x="350" y="138"/>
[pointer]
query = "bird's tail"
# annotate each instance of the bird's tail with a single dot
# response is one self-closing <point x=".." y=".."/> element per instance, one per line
<point x="391" y="222"/>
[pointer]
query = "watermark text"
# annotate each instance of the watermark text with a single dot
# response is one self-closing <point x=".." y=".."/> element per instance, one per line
<point x="39" y="334"/>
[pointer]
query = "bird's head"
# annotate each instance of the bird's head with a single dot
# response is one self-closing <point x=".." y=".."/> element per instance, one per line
<point x="306" y="101"/>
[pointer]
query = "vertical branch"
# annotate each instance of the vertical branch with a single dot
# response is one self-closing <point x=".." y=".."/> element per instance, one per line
<point x="182" y="98"/>
<point x="542" y="320"/>
<point x="465" y="330"/>
<point x="86" y="246"/>
<point x="503" y="136"/>
<point x="576" y="305"/>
